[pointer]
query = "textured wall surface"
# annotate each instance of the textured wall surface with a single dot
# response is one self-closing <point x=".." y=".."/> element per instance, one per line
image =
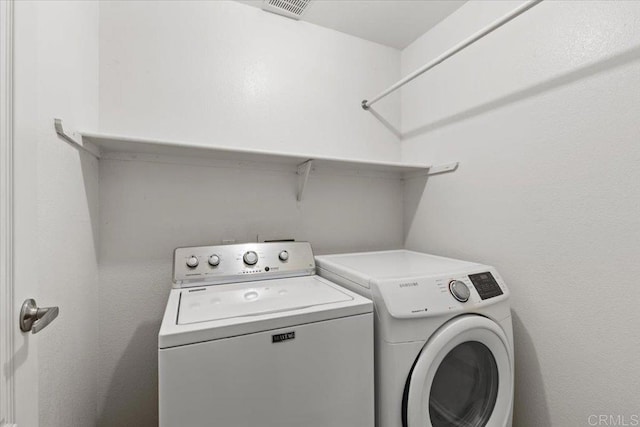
<point x="226" y="74"/>
<point x="57" y="76"/>
<point x="229" y="74"/>
<point x="543" y="116"/>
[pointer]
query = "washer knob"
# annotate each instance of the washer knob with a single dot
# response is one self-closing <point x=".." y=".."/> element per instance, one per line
<point x="250" y="258"/>
<point x="459" y="290"/>
<point x="284" y="255"/>
<point x="192" y="262"/>
<point x="214" y="260"/>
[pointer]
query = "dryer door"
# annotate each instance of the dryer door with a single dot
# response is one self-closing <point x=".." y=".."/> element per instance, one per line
<point x="462" y="377"/>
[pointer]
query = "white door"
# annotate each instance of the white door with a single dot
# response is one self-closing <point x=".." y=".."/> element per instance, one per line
<point x="49" y="69"/>
<point x="462" y="377"/>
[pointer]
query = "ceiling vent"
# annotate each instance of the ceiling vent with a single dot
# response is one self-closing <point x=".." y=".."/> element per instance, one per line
<point x="289" y="8"/>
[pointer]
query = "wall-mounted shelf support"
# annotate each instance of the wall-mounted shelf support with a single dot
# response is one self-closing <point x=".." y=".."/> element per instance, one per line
<point x="57" y="124"/>
<point x="449" y="167"/>
<point x="303" y="175"/>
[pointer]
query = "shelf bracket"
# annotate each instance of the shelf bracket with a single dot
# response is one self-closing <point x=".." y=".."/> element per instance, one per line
<point x="303" y="175"/>
<point x="449" y="167"/>
<point x="57" y="124"/>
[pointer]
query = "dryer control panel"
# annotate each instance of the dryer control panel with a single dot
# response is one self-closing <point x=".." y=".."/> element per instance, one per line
<point x="215" y="265"/>
<point x="486" y="285"/>
<point x="440" y="294"/>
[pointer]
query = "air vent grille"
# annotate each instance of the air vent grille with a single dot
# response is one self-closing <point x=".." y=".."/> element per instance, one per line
<point x="289" y="8"/>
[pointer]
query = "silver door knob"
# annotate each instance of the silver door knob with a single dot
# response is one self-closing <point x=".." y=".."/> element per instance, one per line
<point x="35" y="319"/>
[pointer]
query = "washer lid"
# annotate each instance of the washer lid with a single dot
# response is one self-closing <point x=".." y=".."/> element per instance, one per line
<point x="255" y="298"/>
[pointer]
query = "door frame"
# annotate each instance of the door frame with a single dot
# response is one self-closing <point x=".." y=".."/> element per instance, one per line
<point x="7" y="317"/>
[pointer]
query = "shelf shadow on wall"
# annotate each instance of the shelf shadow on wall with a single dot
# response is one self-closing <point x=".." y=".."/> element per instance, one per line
<point x="413" y="191"/>
<point x="612" y="62"/>
<point x="530" y="406"/>
<point x="131" y="400"/>
<point x="90" y="178"/>
<point x="386" y="123"/>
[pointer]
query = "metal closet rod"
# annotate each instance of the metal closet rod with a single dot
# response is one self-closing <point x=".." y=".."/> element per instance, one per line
<point x="457" y="48"/>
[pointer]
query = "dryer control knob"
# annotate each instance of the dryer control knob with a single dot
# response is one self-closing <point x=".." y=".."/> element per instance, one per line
<point x="250" y="258"/>
<point x="284" y="255"/>
<point x="214" y="260"/>
<point x="192" y="262"/>
<point x="459" y="290"/>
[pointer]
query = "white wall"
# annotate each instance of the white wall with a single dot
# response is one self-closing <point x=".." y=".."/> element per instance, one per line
<point x="543" y="116"/>
<point x="226" y="74"/>
<point x="57" y="76"/>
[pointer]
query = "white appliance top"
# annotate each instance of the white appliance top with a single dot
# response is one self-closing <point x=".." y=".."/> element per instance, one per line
<point x="412" y="285"/>
<point x="364" y="267"/>
<point x="256" y="298"/>
<point x="231" y="290"/>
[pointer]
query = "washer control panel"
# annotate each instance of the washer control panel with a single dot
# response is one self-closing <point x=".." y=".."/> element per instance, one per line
<point x="214" y="265"/>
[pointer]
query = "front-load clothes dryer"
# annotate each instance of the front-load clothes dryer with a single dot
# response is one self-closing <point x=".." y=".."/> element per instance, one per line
<point x="443" y="337"/>
<point x="252" y="337"/>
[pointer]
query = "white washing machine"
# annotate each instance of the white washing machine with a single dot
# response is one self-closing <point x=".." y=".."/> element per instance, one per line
<point x="252" y="337"/>
<point x="443" y="337"/>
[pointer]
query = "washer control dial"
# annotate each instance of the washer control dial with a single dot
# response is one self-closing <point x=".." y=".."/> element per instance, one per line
<point x="283" y="255"/>
<point x="214" y="260"/>
<point x="192" y="261"/>
<point x="250" y="258"/>
<point x="459" y="290"/>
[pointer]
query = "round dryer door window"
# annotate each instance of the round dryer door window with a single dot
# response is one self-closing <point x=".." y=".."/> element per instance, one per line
<point x="462" y="377"/>
<point x="465" y="387"/>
